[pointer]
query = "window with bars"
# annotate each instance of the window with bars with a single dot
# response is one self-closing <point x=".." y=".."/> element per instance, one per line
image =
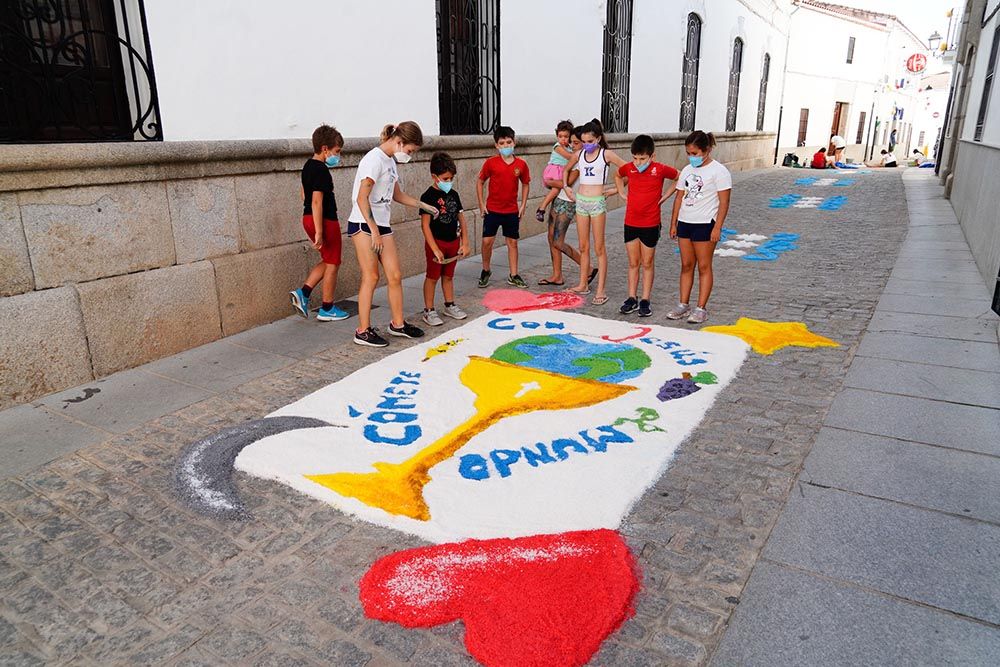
<point x="468" y="46"/>
<point x="861" y="127"/>
<point x="735" y="69"/>
<point x="689" y="77"/>
<point x="617" y="63"/>
<point x="920" y="138"/>
<point x="987" y="86"/>
<point x="850" y="50"/>
<point x="803" y="126"/>
<point x="762" y="95"/>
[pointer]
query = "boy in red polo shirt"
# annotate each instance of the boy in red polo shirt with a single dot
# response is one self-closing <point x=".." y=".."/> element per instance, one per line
<point x="642" y="217"/>
<point x="501" y="210"/>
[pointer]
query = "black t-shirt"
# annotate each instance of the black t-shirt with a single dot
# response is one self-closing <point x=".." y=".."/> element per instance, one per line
<point x="316" y="178"/>
<point x="449" y="205"/>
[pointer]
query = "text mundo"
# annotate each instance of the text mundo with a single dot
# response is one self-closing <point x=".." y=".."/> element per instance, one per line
<point x="394" y="420"/>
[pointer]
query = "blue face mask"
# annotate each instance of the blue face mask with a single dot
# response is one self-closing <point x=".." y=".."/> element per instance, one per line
<point x="506" y="151"/>
<point x="445" y="186"/>
<point x="587" y="146"/>
<point x="642" y="167"/>
<point x="333" y="161"/>
<point x="695" y="160"/>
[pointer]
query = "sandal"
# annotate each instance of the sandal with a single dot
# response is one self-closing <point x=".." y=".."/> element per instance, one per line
<point x="540" y="215"/>
<point x="600" y="300"/>
<point x="546" y="281"/>
<point x="573" y="290"/>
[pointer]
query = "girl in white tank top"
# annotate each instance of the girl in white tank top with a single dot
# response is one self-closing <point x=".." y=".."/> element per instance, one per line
<point x="592" y="163"/>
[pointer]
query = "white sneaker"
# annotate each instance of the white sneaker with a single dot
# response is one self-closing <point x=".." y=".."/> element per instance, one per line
<point x="432" y="318"/>
<point x="698" y="315"/>
<point x="455" y="312"/>
<point x="678" y="311"/>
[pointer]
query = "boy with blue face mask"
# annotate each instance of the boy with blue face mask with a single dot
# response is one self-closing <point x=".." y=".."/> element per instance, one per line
<point x="446" y="239"/>
<point x="501" y="210"/>
<point x="319" y="219"/>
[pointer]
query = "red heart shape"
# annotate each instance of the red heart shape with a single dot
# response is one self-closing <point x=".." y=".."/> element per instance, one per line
<point x="541" y="600"/>
<point x="507" y="301"/>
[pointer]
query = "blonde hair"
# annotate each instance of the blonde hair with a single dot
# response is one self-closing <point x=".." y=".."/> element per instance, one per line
<point x="408" y="131"/>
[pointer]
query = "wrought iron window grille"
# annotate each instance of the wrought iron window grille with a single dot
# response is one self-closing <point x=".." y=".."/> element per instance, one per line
<point x="689" y="76"/>
<point x="762" y="96"/>
<point x="468" y="45"/>
<point x="735" y="69"/>
<point x="617" y="65"/>
<point x="76" y="70"/>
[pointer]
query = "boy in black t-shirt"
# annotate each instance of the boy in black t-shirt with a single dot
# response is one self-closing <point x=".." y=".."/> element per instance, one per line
<point x="319" y="203"/>
<point x="446" y="239"/>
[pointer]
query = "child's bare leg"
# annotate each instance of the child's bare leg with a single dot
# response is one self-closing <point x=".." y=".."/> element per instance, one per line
<point x="315" y="275"/>
<point x="601" y="251"/>
<point x="703" y="253"/>
<point x="648" y="270"/>
<point x="429" y="286"/>
<point x="394" y="277"/>
<point x="634" y="258"/>
<point x="368" y="263"/>
<point x="329" y="281"/>
<point x="554" y="188"/>
<point x="687" y="268"/>
<point x="556" y="276"/>
<point x="448" y="289"/>
<point x="488" y="242"/>
<point x="512" y="256"/>
<point x="583" y="230"/>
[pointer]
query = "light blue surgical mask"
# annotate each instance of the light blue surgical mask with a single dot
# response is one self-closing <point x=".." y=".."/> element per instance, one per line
<point x="587" y="146"/>
<point x="695" y="160"/>
<point x="332" y="161"/>
<point x="445" y="186"/>
<point x="642" y="167"/>
<point x="506" y="151"/>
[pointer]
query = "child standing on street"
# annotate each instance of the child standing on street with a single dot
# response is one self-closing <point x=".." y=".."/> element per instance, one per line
<point x="552" y="176"/>
<point x="591" y="207"/>
<point x="699" y="213"/>
<point x="561" y="216"/>
<point x="319" y="219"/>
<point x="445" y="238"/>
<point x="376" y="186"/>
<point x="642" y="218"/>
<point x="501" y="210"/>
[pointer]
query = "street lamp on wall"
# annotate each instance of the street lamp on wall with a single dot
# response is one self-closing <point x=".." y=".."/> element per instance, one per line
<point x="933" y="41"/>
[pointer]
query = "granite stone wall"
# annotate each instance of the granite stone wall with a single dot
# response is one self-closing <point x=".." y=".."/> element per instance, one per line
<point x="114" y="255"/>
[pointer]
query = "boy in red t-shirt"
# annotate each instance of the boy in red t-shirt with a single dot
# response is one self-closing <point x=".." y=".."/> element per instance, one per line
<point x="501" y="210"/>
<point x="642" y="217"/>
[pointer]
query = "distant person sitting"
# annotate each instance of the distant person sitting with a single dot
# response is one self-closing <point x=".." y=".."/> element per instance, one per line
<point x="918" y="158"/>
<point x="820" y="160"/>
<point x="888" y="160"/>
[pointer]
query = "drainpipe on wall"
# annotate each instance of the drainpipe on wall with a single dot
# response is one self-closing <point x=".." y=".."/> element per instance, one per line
<point x="784" y="76"/>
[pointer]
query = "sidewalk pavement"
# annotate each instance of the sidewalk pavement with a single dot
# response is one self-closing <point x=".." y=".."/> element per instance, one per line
<point x="887" y="551"/>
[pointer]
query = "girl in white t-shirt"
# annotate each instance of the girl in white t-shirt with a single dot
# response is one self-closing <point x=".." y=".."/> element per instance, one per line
<point x="591" y="208"/>
<point x="700" y="209"/>
<point x="376" y="186"/>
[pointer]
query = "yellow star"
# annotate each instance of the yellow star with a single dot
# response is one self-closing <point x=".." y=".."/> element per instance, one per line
<point x="767" y="337"/>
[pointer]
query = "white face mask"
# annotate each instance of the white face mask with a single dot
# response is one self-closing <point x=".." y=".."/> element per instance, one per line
<point x="401" y="157"/>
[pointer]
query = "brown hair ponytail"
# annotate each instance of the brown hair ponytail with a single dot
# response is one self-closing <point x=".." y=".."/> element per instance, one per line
<point x="596" y="128"/>
<point x="408" y="131"/>
<point x="704" y="141"/>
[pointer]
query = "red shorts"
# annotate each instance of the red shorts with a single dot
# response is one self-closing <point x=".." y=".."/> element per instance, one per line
<point x="450" y="249"/>
<point x="330" y="252"/>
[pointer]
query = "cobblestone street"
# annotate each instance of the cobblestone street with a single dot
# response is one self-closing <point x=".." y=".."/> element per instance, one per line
<point x="100" y="563"/>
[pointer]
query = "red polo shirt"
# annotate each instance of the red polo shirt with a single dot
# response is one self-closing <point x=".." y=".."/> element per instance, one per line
<point x="644" y="191"/>
<point x="501" y="196"/>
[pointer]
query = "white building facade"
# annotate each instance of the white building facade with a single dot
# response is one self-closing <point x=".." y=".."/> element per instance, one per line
<point x="847" y="74"/>
<point x="256" y="69"/>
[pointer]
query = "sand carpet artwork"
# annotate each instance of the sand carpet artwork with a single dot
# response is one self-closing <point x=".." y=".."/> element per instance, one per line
<point x="753" y="247"/>
<point x="769" y="337"/>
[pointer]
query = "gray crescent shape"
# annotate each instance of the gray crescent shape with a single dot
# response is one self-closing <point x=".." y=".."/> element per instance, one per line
<point x="204" y="474"/>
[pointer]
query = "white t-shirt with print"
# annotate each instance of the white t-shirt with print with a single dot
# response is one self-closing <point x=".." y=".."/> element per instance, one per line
<point x="381" y="168"/>
<point x="838" y="141"/>
<point x="701" y="187"/>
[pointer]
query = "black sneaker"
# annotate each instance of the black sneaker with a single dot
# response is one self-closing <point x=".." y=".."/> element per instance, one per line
<point x="644" y="309"/>
<point x="484" y="278"/>
<point x="406" y="331"/>
<point x="370" y="337"/>
<point x="630" y="306"/>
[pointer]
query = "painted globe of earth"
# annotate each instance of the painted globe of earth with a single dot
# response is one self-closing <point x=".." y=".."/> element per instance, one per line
<point x="575" y="357"/>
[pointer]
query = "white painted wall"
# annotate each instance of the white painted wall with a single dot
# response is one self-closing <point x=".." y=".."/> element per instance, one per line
<point x="551" y="54"/>
<point x="259" y="69"/>
<point x="991" y="130"/>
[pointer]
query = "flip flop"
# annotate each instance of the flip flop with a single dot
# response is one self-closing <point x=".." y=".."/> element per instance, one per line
<point x="600" y="300"/>
<point x="593" y="274"/>
<point x="575" y="291"/>
<point x="546" y="281"/>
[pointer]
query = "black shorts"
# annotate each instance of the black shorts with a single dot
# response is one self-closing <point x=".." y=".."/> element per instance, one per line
<point x="509" y="222"/>
<point x="355" y="227"/>
<point x="647" y="236"/>
<point x="695" y="231"/>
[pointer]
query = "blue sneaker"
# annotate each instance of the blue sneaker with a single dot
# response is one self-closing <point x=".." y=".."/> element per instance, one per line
<point x="299" y="302"/>
<point x="333" y="315"/>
